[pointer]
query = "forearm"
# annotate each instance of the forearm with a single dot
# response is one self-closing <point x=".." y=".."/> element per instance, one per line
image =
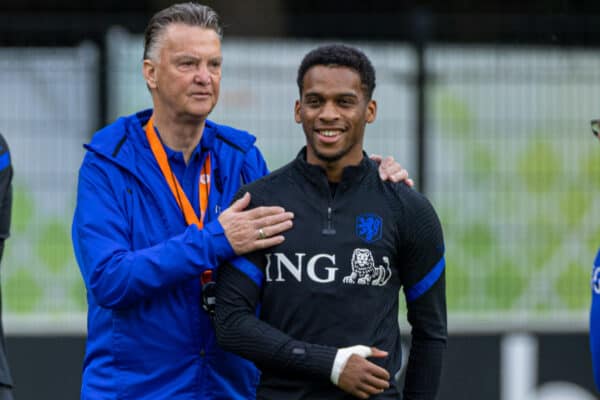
<point x="118" y="277"/>
<point x="427" y="316"/>
<point x="424" y="369"/>
<point x="240" y="331"/>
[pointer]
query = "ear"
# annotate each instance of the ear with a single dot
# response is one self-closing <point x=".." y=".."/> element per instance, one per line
<point x="297" y="108"/>
<point x="149" y="72"/>
<point x="371" y="111"/>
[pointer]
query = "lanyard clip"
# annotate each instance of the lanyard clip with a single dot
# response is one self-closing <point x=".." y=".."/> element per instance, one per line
<point x="208" y="292"/>
<point x="206" y="277"/>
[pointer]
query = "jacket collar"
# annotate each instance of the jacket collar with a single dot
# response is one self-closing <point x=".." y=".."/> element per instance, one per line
<point x="122" y="141"/>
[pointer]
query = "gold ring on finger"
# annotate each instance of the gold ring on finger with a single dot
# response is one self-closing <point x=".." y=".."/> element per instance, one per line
<point x="261" y="234"/>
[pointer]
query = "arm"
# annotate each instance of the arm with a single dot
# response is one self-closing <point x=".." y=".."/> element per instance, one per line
<point x="118" y="275"/>
<point x="6" y="174"/>
<point x="425" y="292"/>
<point x="239" y="330"/>
<point x="595" y="321"/>
<point x="427" y="317"/>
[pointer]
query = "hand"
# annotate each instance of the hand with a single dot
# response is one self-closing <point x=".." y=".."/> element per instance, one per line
<point x="361" y="378"/>
<point x="390" y="170"/>
<point x="254" y="229"/>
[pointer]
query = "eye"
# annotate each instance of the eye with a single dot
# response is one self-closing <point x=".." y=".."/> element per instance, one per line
<point x="312" y="101"/>
<point x="346" y="102"/>
<point x="185" y="63"/>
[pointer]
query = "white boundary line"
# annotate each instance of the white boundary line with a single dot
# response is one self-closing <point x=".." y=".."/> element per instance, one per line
<point x="458" y="324"/>
<point x="45" y="325"/>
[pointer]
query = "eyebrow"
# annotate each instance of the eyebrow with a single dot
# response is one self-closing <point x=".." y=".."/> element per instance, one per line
<point x="345" y="94"/>
<point x="194" y="57"/>
<point x="185" y="57"/>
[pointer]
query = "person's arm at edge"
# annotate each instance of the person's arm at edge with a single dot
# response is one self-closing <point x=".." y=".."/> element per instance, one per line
<point x="595" y="322"/>
<point x="6" y="175"/>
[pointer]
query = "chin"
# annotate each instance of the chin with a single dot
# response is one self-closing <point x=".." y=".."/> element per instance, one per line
<point x="329" y="157"/>
<point x="200" y="112"/>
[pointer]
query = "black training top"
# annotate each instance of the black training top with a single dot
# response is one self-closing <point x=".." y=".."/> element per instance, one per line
<point x="334" y="283"/>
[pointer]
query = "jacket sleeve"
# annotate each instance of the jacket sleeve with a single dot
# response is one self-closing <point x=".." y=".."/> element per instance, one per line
<point x="239" y="330"/>
<point x="425" y="292"/>
<point x="595" y="321"/>
<point x="116" y="274"/>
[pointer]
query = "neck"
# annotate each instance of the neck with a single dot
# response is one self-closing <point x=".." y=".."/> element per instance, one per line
<point x="178" y="135"/>
<point x="334" y="172"/>
<point x="333" y="169"/>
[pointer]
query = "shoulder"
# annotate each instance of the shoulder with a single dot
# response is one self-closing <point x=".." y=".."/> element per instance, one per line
<point x="411" y="200"/>
<point x="111" y="139"/>
<point x="235" y="138"/>
<point x="5" y="160"/>
<point x="263" y="189"/>
<point x="3" y="145"/>
<point x="112" y="147"/>
<point x="414" y="214"/>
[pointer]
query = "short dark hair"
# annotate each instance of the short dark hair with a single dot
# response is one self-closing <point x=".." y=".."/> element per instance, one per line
<point x="192" y="14"/>
<point x="343" y="56"/>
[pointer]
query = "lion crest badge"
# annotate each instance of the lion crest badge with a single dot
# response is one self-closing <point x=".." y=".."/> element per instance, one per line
<point x="369" y="227"/>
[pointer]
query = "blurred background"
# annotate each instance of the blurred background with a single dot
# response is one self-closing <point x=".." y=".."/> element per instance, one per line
<point x="486" y="103"/>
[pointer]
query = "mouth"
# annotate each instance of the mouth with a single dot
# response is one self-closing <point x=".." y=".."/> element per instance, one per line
<point x="200" y="95"/>
<point x="329" y="134"/>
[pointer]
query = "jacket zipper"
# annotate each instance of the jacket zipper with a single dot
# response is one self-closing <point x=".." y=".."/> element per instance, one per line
<point x="329" y="230"/>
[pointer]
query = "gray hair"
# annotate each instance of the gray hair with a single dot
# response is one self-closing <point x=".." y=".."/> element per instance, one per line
<point x="192" y="14"/>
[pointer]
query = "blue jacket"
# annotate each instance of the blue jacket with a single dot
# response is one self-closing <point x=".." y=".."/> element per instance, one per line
<point x="148" y="336"/>
<point x="595" y="321"/>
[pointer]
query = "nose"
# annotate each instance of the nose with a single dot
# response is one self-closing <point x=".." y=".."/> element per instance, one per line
<point x="202" y="75"/>
<point x="329" y="112"/>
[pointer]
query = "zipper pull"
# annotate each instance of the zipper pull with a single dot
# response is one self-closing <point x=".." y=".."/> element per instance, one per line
<point x="329" y="230"/>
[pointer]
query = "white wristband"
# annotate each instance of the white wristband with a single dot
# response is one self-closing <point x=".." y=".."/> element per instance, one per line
<point x="342" y="356"/>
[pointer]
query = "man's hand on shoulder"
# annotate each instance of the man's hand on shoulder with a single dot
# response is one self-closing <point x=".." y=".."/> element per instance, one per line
<point x="255" y="229"/>
<point x="391" y="170"/>
<point x="360" y="377"/>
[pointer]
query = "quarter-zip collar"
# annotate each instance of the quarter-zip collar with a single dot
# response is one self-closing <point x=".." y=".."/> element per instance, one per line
<point x="317" y="175"/>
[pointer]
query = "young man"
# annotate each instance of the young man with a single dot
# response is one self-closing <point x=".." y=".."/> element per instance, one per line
<point x="310" y="310"/>
<point x="151" y="224"/>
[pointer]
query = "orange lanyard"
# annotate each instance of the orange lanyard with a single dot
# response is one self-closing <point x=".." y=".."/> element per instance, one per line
<point x="180" y="196"/>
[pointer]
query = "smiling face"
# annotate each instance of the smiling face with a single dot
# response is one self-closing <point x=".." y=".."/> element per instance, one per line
<point x="333" y="110"/>
<point x="186" y="78"/>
